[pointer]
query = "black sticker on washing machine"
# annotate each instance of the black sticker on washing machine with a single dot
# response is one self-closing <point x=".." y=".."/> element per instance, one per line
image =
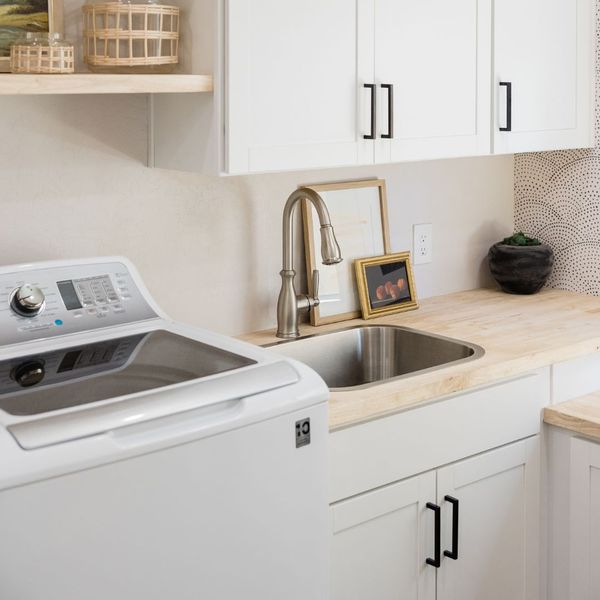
<point x="302" y="433"/>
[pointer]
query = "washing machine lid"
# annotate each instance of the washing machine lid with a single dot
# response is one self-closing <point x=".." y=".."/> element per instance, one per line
<point x="92" y="388"/>
<point x="112" y="368"/>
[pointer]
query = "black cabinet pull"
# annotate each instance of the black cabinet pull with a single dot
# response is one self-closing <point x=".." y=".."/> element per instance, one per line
<point x="390" y="134"/>
<point x="508" y="86"/>
<point x="373" y="88"/>
<point x="455" y="509"/>
<point x="437" y="561"/>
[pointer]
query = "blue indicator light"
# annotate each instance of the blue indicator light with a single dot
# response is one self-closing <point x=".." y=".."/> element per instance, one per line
<point x="58" y="322"/>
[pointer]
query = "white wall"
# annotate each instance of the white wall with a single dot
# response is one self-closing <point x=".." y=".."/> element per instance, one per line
<point x="73" y="184"/>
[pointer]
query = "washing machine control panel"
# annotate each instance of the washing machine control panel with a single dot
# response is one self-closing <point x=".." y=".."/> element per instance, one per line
<point x="48" y="302"/>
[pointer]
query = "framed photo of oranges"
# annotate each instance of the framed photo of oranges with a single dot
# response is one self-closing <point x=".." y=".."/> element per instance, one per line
<point x="385" y="285"/>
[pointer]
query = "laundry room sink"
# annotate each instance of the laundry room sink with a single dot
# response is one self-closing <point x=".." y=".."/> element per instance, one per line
<point x="360" y="357"/>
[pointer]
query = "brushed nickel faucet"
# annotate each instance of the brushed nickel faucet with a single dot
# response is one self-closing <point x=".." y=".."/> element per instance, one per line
<point x="290" y="303"/>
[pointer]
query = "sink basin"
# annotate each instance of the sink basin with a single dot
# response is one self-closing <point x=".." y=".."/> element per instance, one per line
<point x="360" y="357"/>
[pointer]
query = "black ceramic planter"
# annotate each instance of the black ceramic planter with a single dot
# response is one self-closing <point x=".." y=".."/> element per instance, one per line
<point x="521" y="269"/>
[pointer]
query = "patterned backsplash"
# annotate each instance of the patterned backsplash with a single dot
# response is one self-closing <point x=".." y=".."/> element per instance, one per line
<point x="557" y="199"/>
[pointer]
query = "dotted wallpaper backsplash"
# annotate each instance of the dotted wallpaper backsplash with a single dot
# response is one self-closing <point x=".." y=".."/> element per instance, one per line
<point x="557" y="199"/>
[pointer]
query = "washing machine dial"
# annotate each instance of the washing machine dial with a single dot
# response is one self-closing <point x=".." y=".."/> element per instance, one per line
<point x="29" y="374"/>
<point x="28" y="301"/>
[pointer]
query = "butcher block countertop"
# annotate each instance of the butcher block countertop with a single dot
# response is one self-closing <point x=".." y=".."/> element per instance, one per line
<point x="519" y="334"/>
<point x="581" y="415"/>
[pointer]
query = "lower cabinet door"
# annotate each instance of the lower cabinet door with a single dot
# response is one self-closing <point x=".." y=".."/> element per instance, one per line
<point x="494" y="553"/>
<point x="585" y="521"/>
<point x="381" y="541"/>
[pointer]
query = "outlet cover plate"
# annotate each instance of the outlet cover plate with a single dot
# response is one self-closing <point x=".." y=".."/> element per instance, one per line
<point x="422" y="243"/>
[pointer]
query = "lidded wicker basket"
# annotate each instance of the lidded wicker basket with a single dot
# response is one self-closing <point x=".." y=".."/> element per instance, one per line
<point x="131" y="36"/>
<point x="46" y="53"/>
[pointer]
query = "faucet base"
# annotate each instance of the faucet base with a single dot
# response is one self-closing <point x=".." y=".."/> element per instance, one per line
<point x="287" y="307"/>
<point x="287" y="336"/>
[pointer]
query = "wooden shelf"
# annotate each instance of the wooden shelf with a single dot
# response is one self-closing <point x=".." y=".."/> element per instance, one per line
<point x="91" y="83"/>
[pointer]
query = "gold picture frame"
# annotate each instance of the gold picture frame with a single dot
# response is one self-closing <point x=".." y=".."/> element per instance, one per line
<point x="37" y="16"/>
<point x="386" y="285"/>
<point x="359" y="216"/>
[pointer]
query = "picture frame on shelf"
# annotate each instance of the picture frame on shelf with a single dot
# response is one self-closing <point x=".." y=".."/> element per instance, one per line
<point x="386" y="285"/>
<point x="18" y="17"/>
<point x="359" y="216"/>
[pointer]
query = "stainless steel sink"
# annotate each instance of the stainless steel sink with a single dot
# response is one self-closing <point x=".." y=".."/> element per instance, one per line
<point x="360" y="357"/>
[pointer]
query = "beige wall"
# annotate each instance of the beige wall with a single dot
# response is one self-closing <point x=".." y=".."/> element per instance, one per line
<point x="74" y="184"/>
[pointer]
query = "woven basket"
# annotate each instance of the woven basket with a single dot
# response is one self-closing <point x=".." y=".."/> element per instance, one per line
<point x="42" y="59"/>
<point x="130" y="35"/>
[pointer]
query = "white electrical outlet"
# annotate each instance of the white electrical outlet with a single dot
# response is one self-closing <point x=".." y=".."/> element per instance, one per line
<point x="422" y="244"/>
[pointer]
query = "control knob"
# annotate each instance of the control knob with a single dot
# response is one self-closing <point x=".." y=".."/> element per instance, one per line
<point x="29" y="374"/>
<point x="28" y="301"/>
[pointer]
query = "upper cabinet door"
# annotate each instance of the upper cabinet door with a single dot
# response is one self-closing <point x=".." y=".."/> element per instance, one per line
<point x="544" y="62"/>
<point x="494" y="553"/>
<point x="294" y="84"/>
<point x="436" y="55"/>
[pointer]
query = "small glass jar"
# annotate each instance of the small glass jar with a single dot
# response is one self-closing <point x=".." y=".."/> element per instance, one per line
<point x="131" y="36"/>
<point x="41" y="52"/>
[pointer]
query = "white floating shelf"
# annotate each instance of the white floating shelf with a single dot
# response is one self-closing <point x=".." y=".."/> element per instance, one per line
<point x="91" y="83"/>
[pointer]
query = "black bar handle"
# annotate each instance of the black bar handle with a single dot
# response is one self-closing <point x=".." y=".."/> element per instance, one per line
<point x="455" y="511"/>
<point x="508" y="86"/>
<point x="437" y="561"/>
<point x="390" y="134"/>
<point x="373" y="88"/>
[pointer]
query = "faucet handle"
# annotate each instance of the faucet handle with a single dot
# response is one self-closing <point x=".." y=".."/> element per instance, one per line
<point x="314" y="301"/>
<point x="315" y="283"/>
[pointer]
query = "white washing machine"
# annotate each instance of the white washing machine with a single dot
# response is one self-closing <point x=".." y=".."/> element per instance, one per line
<point x="141" y="459"/>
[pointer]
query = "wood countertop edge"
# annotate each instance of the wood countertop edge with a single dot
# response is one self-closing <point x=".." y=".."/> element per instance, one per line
<point x="581" y="415"/>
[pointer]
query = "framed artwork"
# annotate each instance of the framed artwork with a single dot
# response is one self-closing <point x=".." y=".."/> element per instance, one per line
<point x="358" y="211"/>
<point x="17" y="17"/>
<point x="385" y="285"/>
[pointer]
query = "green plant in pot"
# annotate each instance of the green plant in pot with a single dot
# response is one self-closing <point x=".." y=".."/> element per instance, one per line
<point x="521" y="264"/>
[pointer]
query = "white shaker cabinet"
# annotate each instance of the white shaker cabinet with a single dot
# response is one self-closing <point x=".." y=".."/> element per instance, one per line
<point x="544" y="73"/>
<point x="295" y="77"/>
<point x="472" y="457"/>
<point x="310" y="84"/>
<point x="306" y="84"/>
<point x="433" y="61"/>
<point x="385" y="545"/>
<point x="496" y="497"/>
<point x="584" y="539"/>
<point x="381" y="542"/>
